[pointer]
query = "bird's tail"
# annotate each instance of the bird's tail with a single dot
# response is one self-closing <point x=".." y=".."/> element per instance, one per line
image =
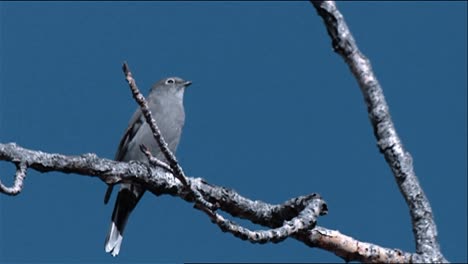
<point x="127" y="199"/>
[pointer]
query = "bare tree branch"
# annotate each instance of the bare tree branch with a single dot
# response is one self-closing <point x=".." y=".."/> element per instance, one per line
<point x="306" y="220"/>
<point x="294" y="216"/>
<point x="399" y="160"/>
<point x="350" y="249"/>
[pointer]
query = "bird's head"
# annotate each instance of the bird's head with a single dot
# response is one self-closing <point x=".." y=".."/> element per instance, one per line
<point x="172" y="85"/>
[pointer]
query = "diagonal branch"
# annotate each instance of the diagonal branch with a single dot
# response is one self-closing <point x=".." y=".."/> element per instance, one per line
<point x="399" y="160"/>
<point x="170" y="157"/>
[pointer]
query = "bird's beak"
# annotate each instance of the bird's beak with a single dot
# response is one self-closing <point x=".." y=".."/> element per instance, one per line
<point x="187" y="83"/>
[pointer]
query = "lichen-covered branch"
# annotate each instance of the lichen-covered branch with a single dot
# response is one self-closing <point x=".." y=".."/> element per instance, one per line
<point x="305" y="221"/>
<point x="389" y="143"/>
<point x="294" y="216"/>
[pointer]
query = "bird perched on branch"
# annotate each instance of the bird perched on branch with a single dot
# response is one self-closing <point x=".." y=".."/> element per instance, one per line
<point x="165" y="101"/>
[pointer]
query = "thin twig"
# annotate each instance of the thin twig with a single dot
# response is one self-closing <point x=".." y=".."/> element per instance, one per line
<point x="399" y="160"/>
<point x="170" y="157"/>
<point x="154" y="161"/>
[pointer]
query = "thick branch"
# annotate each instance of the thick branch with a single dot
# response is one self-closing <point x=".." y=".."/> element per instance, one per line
<point x="350" y="249"/>
<point x="399" y="160"/>
<point x="295" y="217"/>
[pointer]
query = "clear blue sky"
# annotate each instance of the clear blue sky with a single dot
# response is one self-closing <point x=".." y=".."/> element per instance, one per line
<point x="261" y="71"/>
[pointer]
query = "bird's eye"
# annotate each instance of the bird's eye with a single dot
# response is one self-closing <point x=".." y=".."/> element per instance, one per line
<point x="170" y="81"/>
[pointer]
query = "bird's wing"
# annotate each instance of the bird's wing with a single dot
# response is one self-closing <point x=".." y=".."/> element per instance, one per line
<point x="129" y="194"/>
<point x="134" y="125"/>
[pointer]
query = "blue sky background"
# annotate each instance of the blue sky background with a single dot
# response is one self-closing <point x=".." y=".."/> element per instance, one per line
<point x="261" y="71"/>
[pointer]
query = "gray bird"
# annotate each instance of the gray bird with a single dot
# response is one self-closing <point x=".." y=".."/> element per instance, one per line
<point x="165" y="101"/>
